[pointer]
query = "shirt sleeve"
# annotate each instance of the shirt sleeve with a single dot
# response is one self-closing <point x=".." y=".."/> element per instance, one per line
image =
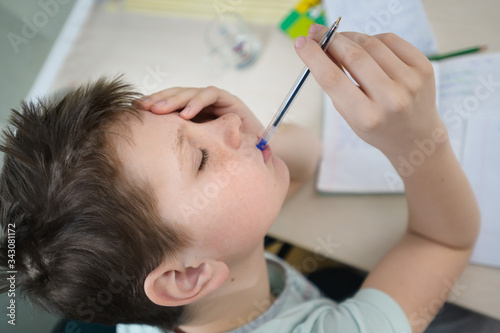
<point x="136" y="328"/>
<point x="374" y="311"/>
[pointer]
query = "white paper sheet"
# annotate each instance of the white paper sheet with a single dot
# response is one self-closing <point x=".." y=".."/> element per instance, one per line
<point x="406" y="18"/>
<point x="482" y="165"/>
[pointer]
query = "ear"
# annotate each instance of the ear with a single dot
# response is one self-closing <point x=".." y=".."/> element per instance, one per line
<point x="172" y="284"/>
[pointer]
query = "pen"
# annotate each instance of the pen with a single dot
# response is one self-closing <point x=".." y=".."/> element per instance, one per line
<point x="280" y="114"/>
<point x="457" y="53"/>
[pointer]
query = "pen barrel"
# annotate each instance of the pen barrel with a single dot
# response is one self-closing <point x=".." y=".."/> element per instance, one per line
<point x="287" y="102"/>
<point x="290" y="97"/>
<point x="268" y="133"/>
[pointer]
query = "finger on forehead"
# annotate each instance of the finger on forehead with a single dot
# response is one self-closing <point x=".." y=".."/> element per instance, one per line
<point x="147" y="101"/>
<point x="204" y="98"/>
<point x="169" y="93"/>
<point x="171" y="100"/>
<point x="158" y="95"/>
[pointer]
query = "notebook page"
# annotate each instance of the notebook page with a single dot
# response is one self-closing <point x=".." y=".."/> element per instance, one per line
<point x="482" y="165"/>
<point x="349" y="164"/>
<point x="468" y="85"/>
<point x="469" y="104"/>
<point x="406" y="18"/>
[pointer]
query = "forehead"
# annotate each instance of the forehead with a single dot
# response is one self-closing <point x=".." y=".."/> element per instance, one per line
<point x="148" y="128"/>
<point x="144" y="142"/>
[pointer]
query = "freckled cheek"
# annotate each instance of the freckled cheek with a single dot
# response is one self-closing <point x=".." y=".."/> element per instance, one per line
<point x="239" y="227"/>
<point x="244" y="189"/>
<point x="242" y="168"/>
<point x="242" y="201"/>
<point x="252" y="185"/>
<point x="254" y="201"/>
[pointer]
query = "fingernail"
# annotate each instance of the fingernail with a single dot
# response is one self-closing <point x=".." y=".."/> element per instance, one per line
<point x="145" y="100"/>
<point x="314" y="28"/>
<point x="186" y="111"/>
<point x="300" y="41"/>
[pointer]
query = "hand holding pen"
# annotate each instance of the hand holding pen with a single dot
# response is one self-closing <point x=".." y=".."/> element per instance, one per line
<point x="395" y="103"/>
<point x="285" y="106"/>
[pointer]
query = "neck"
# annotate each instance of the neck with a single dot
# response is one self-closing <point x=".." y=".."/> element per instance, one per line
<point x="243" y="297"/>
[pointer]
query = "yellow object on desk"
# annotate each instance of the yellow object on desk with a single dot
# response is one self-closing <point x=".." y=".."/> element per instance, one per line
<point x="303" y="15"/>
<point x="255" y="11"/>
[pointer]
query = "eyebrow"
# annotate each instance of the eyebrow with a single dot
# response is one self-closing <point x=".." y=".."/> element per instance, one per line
<point x="180" y="146"/>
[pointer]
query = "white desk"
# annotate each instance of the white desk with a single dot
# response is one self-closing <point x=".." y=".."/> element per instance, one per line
<point x="357" y="230"/>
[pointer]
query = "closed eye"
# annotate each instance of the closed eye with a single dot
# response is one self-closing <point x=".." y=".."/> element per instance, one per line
<point x="204" y="158"/>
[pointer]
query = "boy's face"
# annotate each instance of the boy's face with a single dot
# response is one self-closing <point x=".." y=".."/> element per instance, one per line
<point x="209" y="178"/>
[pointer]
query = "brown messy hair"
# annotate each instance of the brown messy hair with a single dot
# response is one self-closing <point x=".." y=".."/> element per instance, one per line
<point x="86" y="234"/>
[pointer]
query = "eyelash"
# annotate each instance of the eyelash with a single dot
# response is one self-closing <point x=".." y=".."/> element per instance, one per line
<point x="204" y="158"/>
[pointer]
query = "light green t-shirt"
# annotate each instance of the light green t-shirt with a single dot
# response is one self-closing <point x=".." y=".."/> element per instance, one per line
<point x="299" y="307"/>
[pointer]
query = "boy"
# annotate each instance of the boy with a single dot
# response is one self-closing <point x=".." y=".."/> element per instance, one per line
<point x="148" y="217"/>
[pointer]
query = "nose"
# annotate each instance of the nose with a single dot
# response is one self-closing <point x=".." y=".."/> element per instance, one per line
<point x="231" y="129"/>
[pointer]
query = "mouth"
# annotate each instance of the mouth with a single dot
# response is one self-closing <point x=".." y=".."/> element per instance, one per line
<point x="266" y="153"/>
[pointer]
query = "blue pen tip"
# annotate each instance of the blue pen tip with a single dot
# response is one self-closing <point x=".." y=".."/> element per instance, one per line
<point x="262" y="144"/>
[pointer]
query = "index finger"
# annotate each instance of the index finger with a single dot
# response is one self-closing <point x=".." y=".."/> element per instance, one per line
<point x="147" y="102"/>
<point x="343" y="92"/>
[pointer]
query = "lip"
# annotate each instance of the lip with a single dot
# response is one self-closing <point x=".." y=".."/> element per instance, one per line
<point x="266" y="153"/>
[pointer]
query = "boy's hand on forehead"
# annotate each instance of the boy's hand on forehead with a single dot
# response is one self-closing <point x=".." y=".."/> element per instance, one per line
<point x="200" y="104"/>
<point x="395" y="102"/>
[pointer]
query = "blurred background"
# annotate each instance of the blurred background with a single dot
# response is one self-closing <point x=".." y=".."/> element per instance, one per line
<point x="22" y="59"/>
